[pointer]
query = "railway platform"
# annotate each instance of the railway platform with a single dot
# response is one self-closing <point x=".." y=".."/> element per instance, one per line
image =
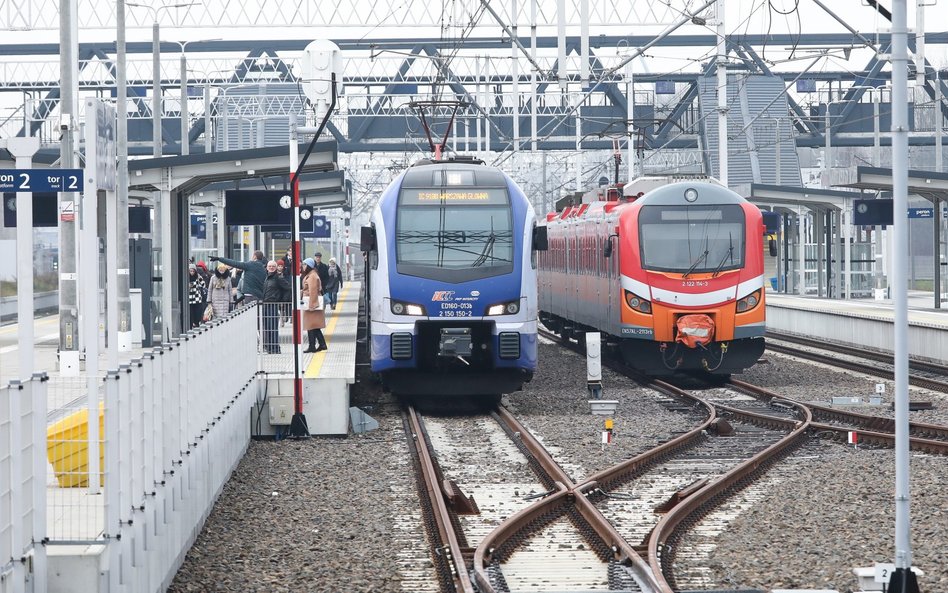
<point x="327" y="375"/>
<point x="862" y="322"/>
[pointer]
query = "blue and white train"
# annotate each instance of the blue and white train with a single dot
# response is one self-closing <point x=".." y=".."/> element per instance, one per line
<point x="451" y="281"/>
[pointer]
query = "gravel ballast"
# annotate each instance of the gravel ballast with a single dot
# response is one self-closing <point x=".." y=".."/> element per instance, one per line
<point x="313" y="515"/>
<point x="346" y="508"/>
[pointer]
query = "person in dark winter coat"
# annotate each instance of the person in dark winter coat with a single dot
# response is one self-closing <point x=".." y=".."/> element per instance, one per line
<point x="197" y="295"/>
<point x="333" y="283"/>
<point x="314" y="318"/>
<point x="288" y="263"/>
<point x="322" y="270"/>
<point x="255" y="272"/>
<point x="276" y="292"/>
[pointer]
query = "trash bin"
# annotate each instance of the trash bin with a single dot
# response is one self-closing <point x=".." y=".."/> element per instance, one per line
<point x="67" y="449"/>
<point x="773" y="283"/>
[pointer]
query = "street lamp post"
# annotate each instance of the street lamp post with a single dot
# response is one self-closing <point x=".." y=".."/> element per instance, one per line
<point x="185" y="124"/>
<point x="164" y="200"/>
<point x="156" y="68"/>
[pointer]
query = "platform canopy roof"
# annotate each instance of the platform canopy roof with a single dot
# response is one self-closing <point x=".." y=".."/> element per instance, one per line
<point x="808" y="197"/>
<point x="927" y="184"/>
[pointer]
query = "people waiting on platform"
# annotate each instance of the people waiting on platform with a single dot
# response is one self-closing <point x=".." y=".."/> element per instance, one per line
<point x="333" y="283"/>
<point x="288" y="263"/>
<point x="204" y="273"/>
<point x="197" y="295"/>
<point x="221" y="291"/>
<point x="255" y="272"/>
<point x="314" y="317"/>
<point x="321" y="269"/>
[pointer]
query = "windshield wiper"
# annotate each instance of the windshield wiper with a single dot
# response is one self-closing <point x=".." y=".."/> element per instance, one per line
<point x="729" y="254"/>
<point x="701" y="258"/>
<point x="488" y="247"/>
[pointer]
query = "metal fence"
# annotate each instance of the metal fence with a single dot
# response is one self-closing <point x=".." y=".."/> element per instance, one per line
<point x="173" y="425"/>
<point x="275" y="338"/>
<point x="178" y="419"/>
<point x="22" y="486"/>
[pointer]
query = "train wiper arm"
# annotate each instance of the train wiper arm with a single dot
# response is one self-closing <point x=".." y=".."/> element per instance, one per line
<point x="729" y="254"/>
<point x="488" y="247"/>
<point x="696" y="263"/>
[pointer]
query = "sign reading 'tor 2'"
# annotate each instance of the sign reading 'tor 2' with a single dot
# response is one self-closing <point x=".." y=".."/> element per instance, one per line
<point x="41" y="180"/>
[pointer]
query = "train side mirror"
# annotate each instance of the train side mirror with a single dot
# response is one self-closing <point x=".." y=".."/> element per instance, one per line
<point x="607" y="247"/>
<point x="772" y="245"/>
<point x="367" y="239"/>
<point x="540" y="242"/>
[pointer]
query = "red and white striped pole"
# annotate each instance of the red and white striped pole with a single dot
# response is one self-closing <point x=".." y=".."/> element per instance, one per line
<point x="298" y="426"/>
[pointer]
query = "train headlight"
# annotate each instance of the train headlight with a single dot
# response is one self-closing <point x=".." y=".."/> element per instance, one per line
<point x="749" y="302"/>
<point x="691" y="194"/>
<point x="509" y="308"/>
<point x="637" y="303"/>
<point x="400" y="308"/>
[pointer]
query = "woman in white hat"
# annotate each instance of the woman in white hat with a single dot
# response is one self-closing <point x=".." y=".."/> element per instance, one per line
<point x="314" y="317"/>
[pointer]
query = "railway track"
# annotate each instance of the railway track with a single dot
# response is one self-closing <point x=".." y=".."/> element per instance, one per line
<point x="503" y="515"/>
<point x="618" y="528"/>
<point x="922" y="374"/>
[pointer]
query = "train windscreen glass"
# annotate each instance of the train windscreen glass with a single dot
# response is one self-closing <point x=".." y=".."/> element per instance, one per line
<point x="692" y="239"/>
<point x="454" y="233"/>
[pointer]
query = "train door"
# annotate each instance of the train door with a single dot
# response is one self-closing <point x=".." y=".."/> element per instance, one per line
<point x="610" y="267"/>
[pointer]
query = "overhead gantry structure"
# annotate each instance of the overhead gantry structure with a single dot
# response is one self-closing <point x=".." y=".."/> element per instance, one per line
<point x="545" y="85"/>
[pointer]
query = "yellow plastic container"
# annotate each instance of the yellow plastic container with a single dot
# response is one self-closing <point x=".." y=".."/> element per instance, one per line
<point x="67" y="449"/>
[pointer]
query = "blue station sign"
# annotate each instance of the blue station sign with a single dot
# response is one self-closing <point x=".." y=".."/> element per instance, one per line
<point x="41" y="180"/>
<point x="921" y="213"/>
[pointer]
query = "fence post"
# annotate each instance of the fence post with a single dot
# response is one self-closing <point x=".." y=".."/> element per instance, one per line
<point x="139" y="474"/>
<point x="16" y="389"/>
<point x="113" y="480"/>
<point x="40" y="388"/>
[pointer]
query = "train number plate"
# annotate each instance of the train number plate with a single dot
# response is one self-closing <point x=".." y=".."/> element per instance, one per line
<point x="456" y="310"/>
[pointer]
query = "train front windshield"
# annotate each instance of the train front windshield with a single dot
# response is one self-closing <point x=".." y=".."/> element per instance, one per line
<point x="692" y="239"/>
<point x="455" y="234"/>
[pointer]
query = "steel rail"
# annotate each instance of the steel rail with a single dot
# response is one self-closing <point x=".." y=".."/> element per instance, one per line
<point x="933" y="384"/>
<point x="700" y="501"/>
<point x="920" y="430"/>
<point x="442" y="515"/>
<point x="882" y="439"/>
<point x="566" y="493"/>
<point x="886" y="357"/>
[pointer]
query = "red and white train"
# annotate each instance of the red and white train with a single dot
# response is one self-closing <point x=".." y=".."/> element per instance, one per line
<point x="670" y="269"/>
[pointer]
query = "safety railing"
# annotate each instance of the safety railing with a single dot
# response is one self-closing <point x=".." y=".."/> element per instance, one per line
<point x="176" y="425"/>
<point x="275" y="338"/>
<point x="23" y="486"/>
<point x="173" y="424"/>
